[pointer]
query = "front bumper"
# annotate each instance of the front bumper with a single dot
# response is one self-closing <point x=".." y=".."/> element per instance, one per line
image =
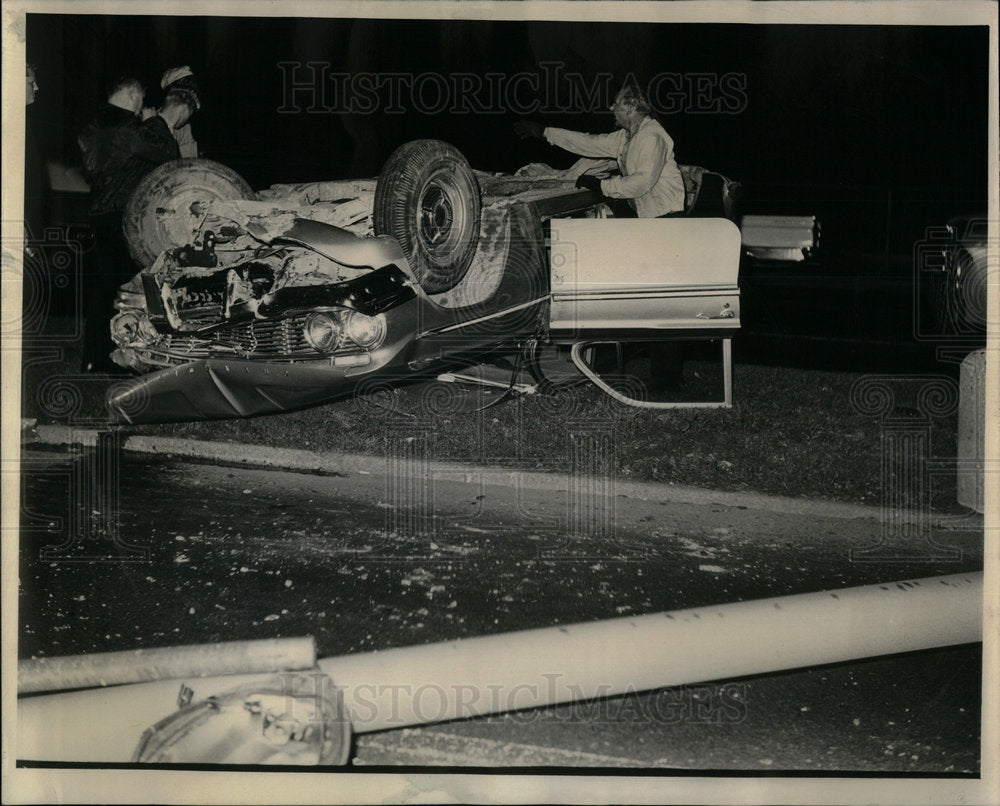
<point x="213" y="389"/>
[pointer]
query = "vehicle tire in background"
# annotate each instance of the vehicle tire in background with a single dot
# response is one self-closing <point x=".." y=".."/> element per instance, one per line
<point x="964" y="296"/>
<point x="427" y="198"/>
<point x="167" y="206"/>
<point x="954" y="298"/>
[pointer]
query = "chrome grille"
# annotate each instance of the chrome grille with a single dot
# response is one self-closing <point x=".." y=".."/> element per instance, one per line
<point x="278" y="339"/>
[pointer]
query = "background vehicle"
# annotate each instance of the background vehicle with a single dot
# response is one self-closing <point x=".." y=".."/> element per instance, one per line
<point x="953" y="267"/>
<point x="871" y="291"/>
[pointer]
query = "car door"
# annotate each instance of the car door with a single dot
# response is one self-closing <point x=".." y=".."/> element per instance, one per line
<point x="644" y="279"/>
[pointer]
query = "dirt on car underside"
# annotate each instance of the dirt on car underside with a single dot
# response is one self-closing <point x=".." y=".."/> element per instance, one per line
<point x="242" y="228"/>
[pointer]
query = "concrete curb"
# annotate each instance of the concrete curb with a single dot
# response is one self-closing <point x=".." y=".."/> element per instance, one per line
<point x="304" y="461"/>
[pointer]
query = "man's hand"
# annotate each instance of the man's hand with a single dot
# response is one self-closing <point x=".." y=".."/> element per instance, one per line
<point x="588" y="182"/>
<point x="528" y="128"/>
<point x="147" y="112"/>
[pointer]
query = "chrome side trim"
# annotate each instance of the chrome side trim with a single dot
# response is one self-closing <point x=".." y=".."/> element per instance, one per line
<point x="486" y="318"/>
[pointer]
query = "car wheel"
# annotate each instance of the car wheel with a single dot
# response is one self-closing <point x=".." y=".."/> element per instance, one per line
<point x="167" y="206"/>
<point x="427" y="198"/>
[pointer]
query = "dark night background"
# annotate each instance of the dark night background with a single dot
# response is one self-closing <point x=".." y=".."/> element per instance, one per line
<point x="880" y="131"/>
<point x="871" y="105"/>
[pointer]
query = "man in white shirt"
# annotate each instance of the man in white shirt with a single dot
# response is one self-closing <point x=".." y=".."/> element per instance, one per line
<point x="650" y="179"/>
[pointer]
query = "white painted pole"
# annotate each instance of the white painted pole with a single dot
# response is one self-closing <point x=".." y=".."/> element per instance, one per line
<point x="164" y="663"/>
<point x="494" y="674"/>
<point x="532" y="668"/>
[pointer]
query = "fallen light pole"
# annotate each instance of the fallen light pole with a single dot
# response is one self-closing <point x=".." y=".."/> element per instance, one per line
<point x="167" y="663"/>
<point x="492" y="674"/>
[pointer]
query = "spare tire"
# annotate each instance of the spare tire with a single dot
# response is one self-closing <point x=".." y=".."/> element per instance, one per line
<point x="167" y="206"/>
<point x="427" y="198"/>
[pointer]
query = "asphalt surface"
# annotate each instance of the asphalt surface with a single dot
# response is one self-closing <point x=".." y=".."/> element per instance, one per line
<point x="175" y="552"/>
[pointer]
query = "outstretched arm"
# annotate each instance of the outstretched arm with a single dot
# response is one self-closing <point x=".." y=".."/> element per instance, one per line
<point x="586" y="145"/>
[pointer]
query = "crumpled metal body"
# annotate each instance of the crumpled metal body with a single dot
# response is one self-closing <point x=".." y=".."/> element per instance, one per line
<point x="501" y="302"/>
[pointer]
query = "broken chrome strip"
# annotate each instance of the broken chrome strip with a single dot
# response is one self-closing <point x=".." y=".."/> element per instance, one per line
<point x="486" y="318"/>
<point x="639" y="292"/>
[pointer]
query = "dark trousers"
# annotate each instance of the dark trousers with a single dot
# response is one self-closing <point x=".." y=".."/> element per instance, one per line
<point x="110" y="265"/>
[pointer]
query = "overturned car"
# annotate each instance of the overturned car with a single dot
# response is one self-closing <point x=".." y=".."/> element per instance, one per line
<point x="256" y="303"/>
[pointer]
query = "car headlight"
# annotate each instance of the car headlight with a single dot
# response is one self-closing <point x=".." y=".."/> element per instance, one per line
<point x="365" y="331"/>
<point x="125" y="328"/>
<point x="132" y="328"/>
<point x="323" y="331"/>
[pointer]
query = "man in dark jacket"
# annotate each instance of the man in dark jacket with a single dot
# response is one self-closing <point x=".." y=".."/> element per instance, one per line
<point x="119" y="149"/>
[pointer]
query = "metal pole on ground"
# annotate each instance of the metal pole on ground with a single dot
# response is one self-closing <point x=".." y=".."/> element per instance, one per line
<point x="165" y="663"/>
<point x="534" y="668"/>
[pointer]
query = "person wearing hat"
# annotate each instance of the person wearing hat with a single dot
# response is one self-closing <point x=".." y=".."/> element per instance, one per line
<point x="118" y="151"/>
<point x="179" y="82"/>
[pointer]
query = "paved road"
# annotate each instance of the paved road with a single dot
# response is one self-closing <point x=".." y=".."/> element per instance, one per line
<point x="201" y="553"/>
